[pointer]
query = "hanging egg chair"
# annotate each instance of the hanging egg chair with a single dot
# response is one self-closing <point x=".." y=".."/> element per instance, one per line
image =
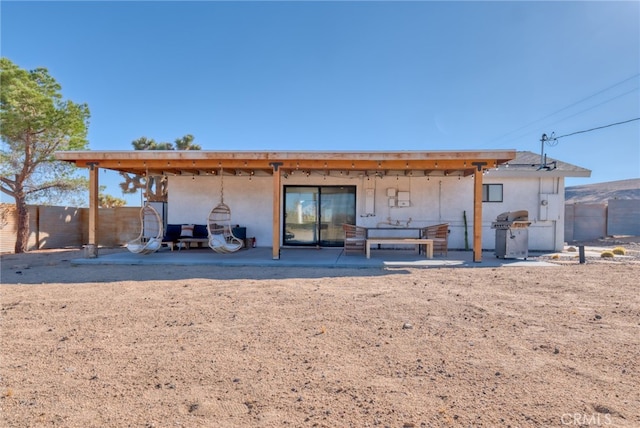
<point x="221" y="237"/>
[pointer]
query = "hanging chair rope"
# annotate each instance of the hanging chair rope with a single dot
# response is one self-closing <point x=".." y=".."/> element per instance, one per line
<point x="221" y="186"/>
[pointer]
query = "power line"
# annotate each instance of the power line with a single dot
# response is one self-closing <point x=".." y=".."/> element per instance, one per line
<point x="553" y="140"/>
<point x="595" y="106"/>
<point x="594" y="129"/>
<point x="574" y="104"/>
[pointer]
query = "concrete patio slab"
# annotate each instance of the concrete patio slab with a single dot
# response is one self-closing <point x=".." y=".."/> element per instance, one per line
<point x="307" y="257"/>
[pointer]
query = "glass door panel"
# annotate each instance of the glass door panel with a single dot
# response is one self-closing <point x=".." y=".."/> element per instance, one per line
<point x="301" y="215"/>
<point x="337" y="206"/>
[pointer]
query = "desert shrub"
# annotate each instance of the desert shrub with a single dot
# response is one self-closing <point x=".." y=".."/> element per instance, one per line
<point x="555" y="256"/>
<point x="619" y="251"/>
<point x="607" y="254"/>
<point x="571" y="249"/>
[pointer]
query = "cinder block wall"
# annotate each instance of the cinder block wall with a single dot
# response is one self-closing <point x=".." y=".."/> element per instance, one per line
<point x="68" y="227"/>
<point x="56" y="227"/>
<point x="584" y="222"/>
<point x="624" y="217"/>
<point x="116" y="226"/>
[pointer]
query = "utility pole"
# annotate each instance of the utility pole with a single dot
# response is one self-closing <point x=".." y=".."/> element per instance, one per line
<point x="543" y="158"/>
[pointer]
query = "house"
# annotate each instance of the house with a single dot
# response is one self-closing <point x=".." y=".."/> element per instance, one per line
<point x="535" y="186"/>
<point x="303" y="198"/>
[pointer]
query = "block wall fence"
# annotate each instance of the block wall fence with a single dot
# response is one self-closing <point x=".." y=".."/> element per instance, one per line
<point x="68" y="227"/>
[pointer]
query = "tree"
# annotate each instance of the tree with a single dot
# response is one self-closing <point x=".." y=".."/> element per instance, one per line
<point x="144" y="143"/>
<point x="34" y="123"/>
<point x="157" y="189"/>
<point x="108" y="201"/>
<point x="186" y="143"/>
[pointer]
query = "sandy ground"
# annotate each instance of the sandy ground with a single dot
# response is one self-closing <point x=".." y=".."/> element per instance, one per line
<point x="104" y="346"/>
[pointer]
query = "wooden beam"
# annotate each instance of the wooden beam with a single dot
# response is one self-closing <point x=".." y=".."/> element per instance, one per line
<point x="209" y="161"/>
<point x="211" y="165"/>
<point x="477" y="213"/>
<point x="200" y="155"/>
<point x="91" y="249"/>
<point x="275" y="240"/>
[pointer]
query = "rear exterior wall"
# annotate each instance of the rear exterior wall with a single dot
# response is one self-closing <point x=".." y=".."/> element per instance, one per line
<point x="434" y="200"/>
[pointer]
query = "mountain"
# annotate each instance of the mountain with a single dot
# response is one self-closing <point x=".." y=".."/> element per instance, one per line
<point x="600" y="193"/>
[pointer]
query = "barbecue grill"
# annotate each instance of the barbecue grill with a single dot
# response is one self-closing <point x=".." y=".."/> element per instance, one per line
<point x="512" y="235"/>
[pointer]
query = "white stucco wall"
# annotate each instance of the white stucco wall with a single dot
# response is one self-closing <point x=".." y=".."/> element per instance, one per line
<point x="437" y="200"/>
<point x="547" y="220"/>
<point x="192" y="199"/>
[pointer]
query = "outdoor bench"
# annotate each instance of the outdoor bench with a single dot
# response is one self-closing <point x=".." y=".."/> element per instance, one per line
<point x="428" y="243"/>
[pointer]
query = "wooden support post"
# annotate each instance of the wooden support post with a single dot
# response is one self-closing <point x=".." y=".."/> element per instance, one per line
<point x="477" y="212"/>
<point x="277" y="179"/>
<point x="91" y="248"/>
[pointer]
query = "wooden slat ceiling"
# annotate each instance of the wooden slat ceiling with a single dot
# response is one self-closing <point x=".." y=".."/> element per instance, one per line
<point x="191" y="162"/>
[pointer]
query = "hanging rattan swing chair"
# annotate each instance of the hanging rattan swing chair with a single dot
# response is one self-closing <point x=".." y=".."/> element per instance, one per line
<point x="150" y="238"/>
<point x="221" y="237"/>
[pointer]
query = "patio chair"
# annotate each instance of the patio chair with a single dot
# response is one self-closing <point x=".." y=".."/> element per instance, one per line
<point x="355" y="238"/>
<point x="439" y="233"/>
<point x="221" y="237"/>
<point x="150" y="238"/>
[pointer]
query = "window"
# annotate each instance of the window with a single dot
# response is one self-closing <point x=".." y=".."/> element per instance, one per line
<point x="492" y="193"/>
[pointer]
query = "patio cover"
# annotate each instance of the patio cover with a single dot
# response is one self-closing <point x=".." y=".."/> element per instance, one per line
<point x="277" y="163"/>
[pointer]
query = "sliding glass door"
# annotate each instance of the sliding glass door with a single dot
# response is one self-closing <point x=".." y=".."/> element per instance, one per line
<point x="313" y="215"/>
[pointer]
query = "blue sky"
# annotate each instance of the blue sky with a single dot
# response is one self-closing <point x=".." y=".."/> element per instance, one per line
<point x="306" y="75"/>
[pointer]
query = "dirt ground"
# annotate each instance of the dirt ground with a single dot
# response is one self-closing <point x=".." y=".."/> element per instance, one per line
<point x="107" y="346"/>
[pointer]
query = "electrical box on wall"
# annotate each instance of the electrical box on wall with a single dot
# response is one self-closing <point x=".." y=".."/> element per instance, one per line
<point x="550" y="204"/>
<point x="398" y="199"/>
<point x="404" y="199"/>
